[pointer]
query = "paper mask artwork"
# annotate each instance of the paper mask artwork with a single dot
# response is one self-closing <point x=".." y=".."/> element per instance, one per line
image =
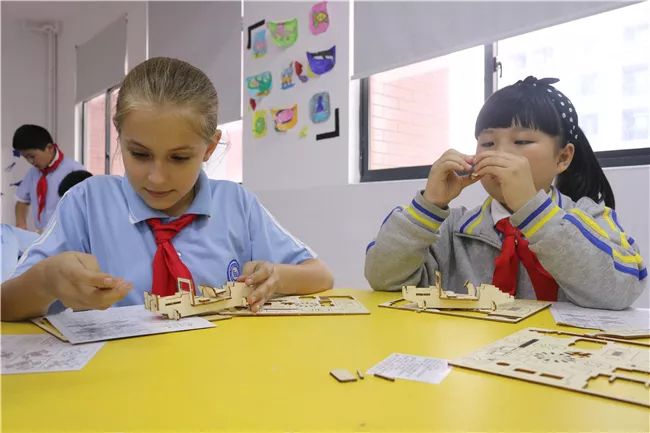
<point x="303" y="132"/>
<point x="319" y="107"/>
<point x="285" y="118"/>
<point x="260" y="84"/>
<point x="252" y="28"/>
<point x="253" y="103"/>
<point x="300" y="72"/>
<point x="322" y="62"/>
<point x="259" y="44"/>
<point x="259" y="124"/>
<point x="287" y="77"/>
<point x="284" y="34"/>
<point x="319" y="19"/>
<point x="304" y="73"/>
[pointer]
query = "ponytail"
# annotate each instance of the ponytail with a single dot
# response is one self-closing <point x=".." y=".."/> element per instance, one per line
<point x="584" y="177"/>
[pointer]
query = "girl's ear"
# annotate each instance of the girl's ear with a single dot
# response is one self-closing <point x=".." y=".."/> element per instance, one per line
<point x="565" y="157"/>
<point x="212" y="145"/>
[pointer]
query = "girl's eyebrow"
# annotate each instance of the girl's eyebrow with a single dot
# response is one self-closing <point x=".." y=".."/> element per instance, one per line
<point x="135" y="143"/>
<point x="131" y="141"/>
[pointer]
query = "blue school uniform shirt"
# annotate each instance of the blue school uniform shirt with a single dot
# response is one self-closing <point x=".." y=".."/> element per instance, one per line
<point x="105" y="217"/>
<point x="14" y="243"/>
<point x="26" y="191"/>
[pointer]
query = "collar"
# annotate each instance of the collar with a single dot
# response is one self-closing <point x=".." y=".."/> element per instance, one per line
<point x="499" y="212"/>
<point x="480" y="221"/>
<point x="55" y="159"/>
<point x="139" y="210"/>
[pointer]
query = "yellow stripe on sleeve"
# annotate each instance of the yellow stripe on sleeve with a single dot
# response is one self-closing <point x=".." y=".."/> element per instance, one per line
<point x="539" y="224"/>
<point x="431" y="224"/>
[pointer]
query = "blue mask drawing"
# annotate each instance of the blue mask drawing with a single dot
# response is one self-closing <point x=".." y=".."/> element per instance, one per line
<point x="322" y="61"/>
<point x="319" y="107"/>
<point x="259" y="43"/>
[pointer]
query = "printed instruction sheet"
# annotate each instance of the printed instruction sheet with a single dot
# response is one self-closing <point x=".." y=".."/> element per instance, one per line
<point x="41" y="353"/>
<point x="605" y="320"/>
<point x="118" y="322"/>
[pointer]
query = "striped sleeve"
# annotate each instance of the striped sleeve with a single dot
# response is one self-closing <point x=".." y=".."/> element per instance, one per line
<point x="597" y="225"/>
<point x="601" y="232"/>
<point x="424" y="214"/>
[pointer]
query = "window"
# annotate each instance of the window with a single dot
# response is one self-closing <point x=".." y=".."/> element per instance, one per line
<point x="116" y="165"/>
<point x="226" y="160"/>
<point x="411" y="115"/>
<point x="416" y="112"/>
<point x="100" y="147"/>
<point x="605" y="73"/>
<point x="94" y="134"/>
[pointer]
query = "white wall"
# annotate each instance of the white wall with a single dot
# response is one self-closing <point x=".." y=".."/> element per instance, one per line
<point x="24" y="57"/>
<point x="282" y="160"/>
<point x="338" y="222"/>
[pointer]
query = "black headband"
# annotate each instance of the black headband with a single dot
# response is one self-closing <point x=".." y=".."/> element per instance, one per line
<point x="561" y="103"/>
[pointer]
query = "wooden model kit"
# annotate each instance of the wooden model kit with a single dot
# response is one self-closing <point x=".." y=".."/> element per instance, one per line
<point x="305" y="305"/>
<point x="513" y="312"/>
<point x="485" y="302"/>
<point x="569" y="361"/>
<point x="485" y="297"/>
<point x="185" y="302"/>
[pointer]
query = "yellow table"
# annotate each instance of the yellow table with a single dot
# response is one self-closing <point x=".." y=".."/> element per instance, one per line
<point x="271" y="374"/>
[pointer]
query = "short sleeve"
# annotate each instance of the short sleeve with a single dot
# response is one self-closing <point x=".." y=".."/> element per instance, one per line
<point x="23" y="191"/>
<point x="66" y="231"/>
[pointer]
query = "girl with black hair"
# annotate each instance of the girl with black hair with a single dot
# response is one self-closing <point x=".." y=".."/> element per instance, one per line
<point x="550" y="211"/>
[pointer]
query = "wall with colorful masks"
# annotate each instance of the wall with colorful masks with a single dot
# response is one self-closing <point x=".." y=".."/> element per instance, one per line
<point x="296" y="76"/>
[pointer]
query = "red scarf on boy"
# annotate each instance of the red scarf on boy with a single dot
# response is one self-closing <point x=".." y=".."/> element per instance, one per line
<point x="41" y="186"/>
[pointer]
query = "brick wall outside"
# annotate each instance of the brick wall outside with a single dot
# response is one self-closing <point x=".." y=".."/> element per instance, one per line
<point x="409" y="119"/>
<point x="94" y="131"/>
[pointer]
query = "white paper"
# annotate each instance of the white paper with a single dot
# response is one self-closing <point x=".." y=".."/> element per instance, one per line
<point x="41" y="353"/>
<point x="412" y="367"/>
<point x="604" y="320"/>
<point x="119" y="322"/>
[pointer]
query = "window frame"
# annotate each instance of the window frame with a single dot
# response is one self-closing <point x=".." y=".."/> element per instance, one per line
<point x="492" y="65"/>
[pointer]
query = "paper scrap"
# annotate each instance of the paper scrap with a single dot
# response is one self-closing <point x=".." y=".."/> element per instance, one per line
<point x="412" y="367"/>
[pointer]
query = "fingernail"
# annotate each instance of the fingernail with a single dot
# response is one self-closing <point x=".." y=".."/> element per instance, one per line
<point x="108" y="280"/>
<point x="249" y="281"/>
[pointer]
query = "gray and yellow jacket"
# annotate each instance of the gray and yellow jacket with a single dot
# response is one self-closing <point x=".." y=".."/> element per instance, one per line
<point x="581" y="244"/>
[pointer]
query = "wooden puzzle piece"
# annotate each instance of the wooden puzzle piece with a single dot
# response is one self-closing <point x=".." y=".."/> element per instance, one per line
<point x="305" y="305"/>
<point x="569" y="361"/>
<point x="343" y="375"/>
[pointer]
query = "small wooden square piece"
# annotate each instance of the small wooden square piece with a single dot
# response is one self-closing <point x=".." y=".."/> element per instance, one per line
<point x="343" y="375"/>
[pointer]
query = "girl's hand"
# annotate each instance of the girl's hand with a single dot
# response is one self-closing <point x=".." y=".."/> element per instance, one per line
<point x="77" y="281"/>
<point x="512" y="173"/>
<point x="444" y="184"/>
<point x="264" y="278"/>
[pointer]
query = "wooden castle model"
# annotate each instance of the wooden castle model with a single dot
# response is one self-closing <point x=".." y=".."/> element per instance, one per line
<point x="185" y="302"/>
<point x="483" y="297"/>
